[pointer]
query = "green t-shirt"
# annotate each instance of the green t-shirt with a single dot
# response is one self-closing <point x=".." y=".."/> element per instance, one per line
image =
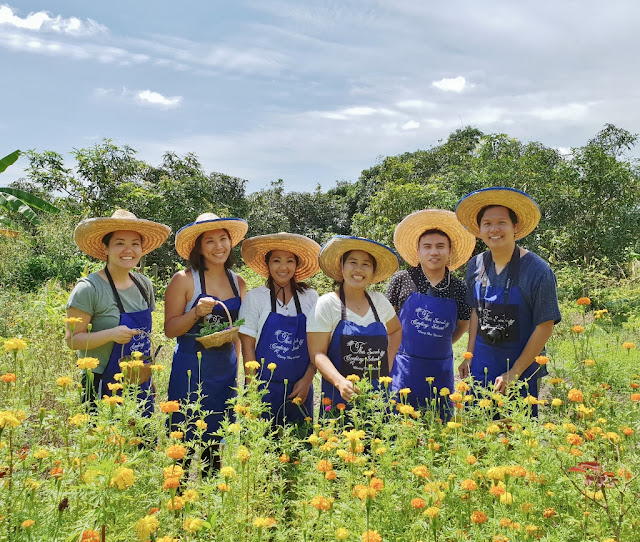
<point x="94" y="296"/>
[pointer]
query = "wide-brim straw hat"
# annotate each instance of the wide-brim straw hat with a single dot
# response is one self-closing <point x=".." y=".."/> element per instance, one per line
<point x="332" y="252"/>
<point x="89" y="233"/>
<point x="523" y="205"/>
<point x="255" y="249"/>
<point x="408" y="233"/>
<point x="187" y="235"/>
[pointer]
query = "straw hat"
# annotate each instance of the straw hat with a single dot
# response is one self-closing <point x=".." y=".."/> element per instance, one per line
<point x="89" y="233"/>
<point x="408" y="233"/>
<point x="187" y="235"/>
<point x="254" y="251"/>
<point x="332" y="252"/>
<point x="523" y="205"/>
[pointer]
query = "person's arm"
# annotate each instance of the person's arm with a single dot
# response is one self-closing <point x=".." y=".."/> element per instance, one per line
<point x="242" y="286"/>
<point x="302" y="386"/>
<point x="248" y="349"/>
<point x="461" y="328"/>
<point x="82" y="339"/>
<point x="318" y="347"/>
<point x="465" y="366"/>
<point x="534" y="346"/>
<point x="176" y="321"/>
<point x="394" y="330"/>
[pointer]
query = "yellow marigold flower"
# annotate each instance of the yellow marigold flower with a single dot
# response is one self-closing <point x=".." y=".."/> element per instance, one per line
<point x="64" y="381"/>
<point x="432" y="512"/>
<point x="14" y="345"/>
<point x="252" y="366"/>
<point x="123" y="478"/>
<point x="478" y="517"/>
<point x="156" y="367"/>
<point x="575" y="395"/>
<point x="27" y="524"/>
<point x="112" y="400"/>
<point x="471" y="459"/>
<point x="284" y="458"/>
<point x="462" y="387"/>
<point x="201" y="424"/>
<point x="577" y="329"/>
<point x="342" y="533"/>
<point x="192" y="525"/>
<point x="493" y="428"/>
<point x="260" y="523"/>
<point x="542" y="360"/>
<point x="404" y="392"/>
<point x="421" y="471"/>
<point x="385" y="380"/>
<point x="173" y="471"/>
<point x="444" y="392"/>
<point x="468" y="485"/>
<point x="146" y="526"/>
<point x="556" y="402"/>
<point x="114" y="386"/>
<point x="612" y="436"/>
<point x="228" y="472"/>
<point x="176" y="451"/>
<point x="177" y="435"/>
<point x="467" y="355"/>
<point x="41" y="454"/>
<point x="272" y="366"/>
<point x="321" y="503"/>
<point x="169" y="406"/>
<point x="79" y="419"/>
<point x="418" y="503"/>
<point x="118" y="377"/>
<point x="190" y="495"/>
<point x="87" y="363"/>
<point x="223" y="488"/>
<point x="484" y="403"/>
<point x="496" y="473"/>
<point x="297" y="401"/>
<point x="589" y="362"/>
<point x="628" y="345"/>
<point x="506" y="498"/>
<point x="454" y="425"/>
<point x="353" y="378"/>
<point x="243" y="454"/>
<point x="371" y="536"/>
<point x="381" y="450"/>
<point x="235" y="428"/>
<point x="177" y="503"/>
<point x="8" y="377"/>
<point x="456" y="397"/>
<point x="584" y="301"/>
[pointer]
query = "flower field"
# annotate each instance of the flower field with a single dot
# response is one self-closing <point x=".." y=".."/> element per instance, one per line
<point x="375" y="471"/>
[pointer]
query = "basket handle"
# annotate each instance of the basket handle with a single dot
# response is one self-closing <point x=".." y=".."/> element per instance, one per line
<point x="227" y="311"/>
<point x="142" y="332"/>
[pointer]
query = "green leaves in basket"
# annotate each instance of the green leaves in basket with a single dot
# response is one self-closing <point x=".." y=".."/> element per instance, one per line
<point x="209" y="328"/>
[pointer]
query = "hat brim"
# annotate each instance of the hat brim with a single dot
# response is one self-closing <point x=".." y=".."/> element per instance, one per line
<point x="408" y="232"/>
<point x="332" y="252"/>
<point x="89" y="233"/>
<point x="255" y="249"/>
<point x="523" y="205"/>
<point x="187" y="235"/>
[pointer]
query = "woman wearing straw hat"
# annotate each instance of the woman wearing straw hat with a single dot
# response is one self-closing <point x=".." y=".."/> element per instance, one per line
<point x="116" y="301"/>
<point x="192" y="298"/>
<point x="431" y="303"/>
<point x="352" y="331"/>
<point x="275" y="321"/>
<point x="513" y="291"/>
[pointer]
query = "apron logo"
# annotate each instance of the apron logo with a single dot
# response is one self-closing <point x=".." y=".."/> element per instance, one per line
<point x="286" y="343"/>
<point x="426" y="324"/>
<point x="283" y="336"/>
<point x="356" y="347"/>
<point x="214" y="318"/>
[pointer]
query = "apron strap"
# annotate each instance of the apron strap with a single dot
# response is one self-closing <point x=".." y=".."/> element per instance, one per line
<point x="513" y="274"/>
<point x="343" y="306"/>
<point x="115" y="290"/>
<point x="203" y="286"/>
<point x="294" y="294"/>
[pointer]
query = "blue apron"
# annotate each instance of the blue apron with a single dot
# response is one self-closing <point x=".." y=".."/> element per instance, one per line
<point x="426" y="351"/>
<point x="502" y="308"/>
<point x="356" y="349"/>
<point x="218" y="378"/>
<point x="283" y="341"/>
<point x="139" y="343"/>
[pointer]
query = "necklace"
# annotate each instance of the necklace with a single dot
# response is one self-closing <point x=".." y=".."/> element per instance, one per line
<point x="440" y="288"/>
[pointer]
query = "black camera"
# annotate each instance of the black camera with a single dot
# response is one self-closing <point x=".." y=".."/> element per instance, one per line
<point x="494" y="334"/>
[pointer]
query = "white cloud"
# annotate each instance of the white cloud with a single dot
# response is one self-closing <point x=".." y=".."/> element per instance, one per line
<point x="41" y="21"/>
<point x="411" y="125"/>
<point x="455" y="84"/>
<point x="571" y="112"/>
<point x="147" y="98"/>
<point x="415" y="104"/>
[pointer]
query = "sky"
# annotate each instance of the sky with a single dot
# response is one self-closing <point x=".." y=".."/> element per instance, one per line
<point x="313" y="91"/>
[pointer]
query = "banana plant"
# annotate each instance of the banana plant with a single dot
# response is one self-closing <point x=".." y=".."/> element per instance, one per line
<point x="20" y="202"/>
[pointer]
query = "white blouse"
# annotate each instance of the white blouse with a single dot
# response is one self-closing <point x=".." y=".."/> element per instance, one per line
<point x="256" y="307"/>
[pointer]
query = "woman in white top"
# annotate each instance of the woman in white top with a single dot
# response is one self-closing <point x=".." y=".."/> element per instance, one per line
<point x="275" y="321"/>
<point x="352" y="331"/>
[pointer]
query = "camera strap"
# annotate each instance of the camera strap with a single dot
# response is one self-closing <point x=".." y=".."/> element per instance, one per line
<point x="512" y="275"/>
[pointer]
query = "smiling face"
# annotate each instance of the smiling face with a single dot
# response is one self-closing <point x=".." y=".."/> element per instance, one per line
<point x="497" y="229"/>
<point x="434" y="251"/>
<point x="282" y="266"/>
<point x="358" y="268"/>
<point x="124" y="249"/>
<point x="215" y="246"/>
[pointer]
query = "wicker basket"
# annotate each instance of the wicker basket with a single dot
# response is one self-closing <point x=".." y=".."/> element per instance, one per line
<point x="221" y="337"/>
<point x="137" y="375"/>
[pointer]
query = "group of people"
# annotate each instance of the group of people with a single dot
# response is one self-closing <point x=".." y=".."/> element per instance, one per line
<point x="508" y="304"/>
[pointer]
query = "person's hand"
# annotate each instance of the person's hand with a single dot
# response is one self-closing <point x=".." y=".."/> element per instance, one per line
<point x="503" y="381"/>
<point x="300" y="389"/>
<point x="205" y="306"/>
<point x="464" y="369"/>
<point x="348" y="390"/>
<point x="123" y="334"/>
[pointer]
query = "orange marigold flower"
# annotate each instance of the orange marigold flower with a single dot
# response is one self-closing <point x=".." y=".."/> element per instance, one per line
<point x="56" y="472"/>
<point x="628" y="345"/>
<point x="8" y="377"/>
<point x="542" y="360"/>
<point x="177" y="503"/>
<point x="377" y="484"/>
<point x="468" y="485"/>
<point x="330" y="475"/>
<point x="497" y="491"/>
<point x="420" y="471"/>
<point x="90" y="536"/>
<point x="471" y="459"/>
<point x="326" y="401"/>
<point x="478" y="517"/>
<point x="548" y="513"/>
<point x="418" y="503"/>
<point x="171" y="483"/>
<point x="176" y="451"/>
<point x="575" y="395"/>
<point x="170" y="406"/>
<point x="324" y="465"/>
<point x="371" y="536"/>
<point x="584" y="301"/>
<point x="341" y="406"/>
<point x="467" y="355"/>
<point x="577" y="329"/>
<point x="321" y="503"/>
<point x="27" y="524"/>
<point x="635" y="397"/>
<point x="574" y="440"/>
<point x="628" y="431"/>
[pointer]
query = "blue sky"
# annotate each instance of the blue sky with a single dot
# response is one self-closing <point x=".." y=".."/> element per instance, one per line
<point x="313" y="91"/>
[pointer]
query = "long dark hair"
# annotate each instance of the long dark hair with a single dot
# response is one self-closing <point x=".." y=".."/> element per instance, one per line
<point x="295" y="286"/>
<point x="196" y="259"/>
